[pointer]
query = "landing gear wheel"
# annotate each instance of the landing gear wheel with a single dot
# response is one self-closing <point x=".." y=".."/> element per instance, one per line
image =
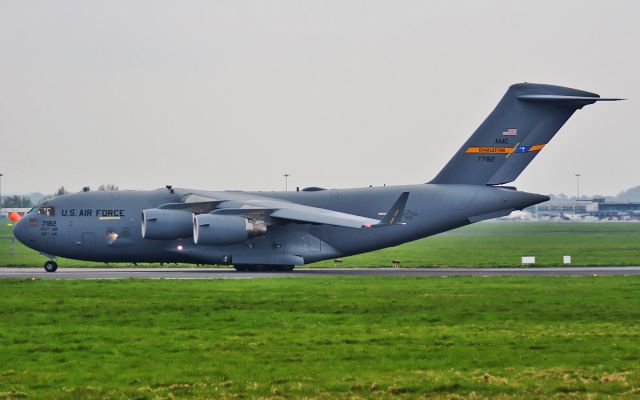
<point x="50" y="266"/>
<point x="263" y="268"/>
<point x="283" y="268"/>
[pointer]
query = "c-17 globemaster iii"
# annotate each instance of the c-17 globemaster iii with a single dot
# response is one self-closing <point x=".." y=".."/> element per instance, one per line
<point x="260" y="231"/>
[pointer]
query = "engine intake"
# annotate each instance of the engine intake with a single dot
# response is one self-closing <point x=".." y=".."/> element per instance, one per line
<point x="225" y="229"/>
<point x="162" y="224"/>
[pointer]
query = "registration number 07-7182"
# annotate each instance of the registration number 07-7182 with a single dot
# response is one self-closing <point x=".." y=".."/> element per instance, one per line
<point x="486" y="159"/>
<point x="48" y="228"/>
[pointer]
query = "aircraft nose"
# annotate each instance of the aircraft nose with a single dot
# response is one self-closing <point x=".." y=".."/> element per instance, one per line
<point x="20" y="231"/>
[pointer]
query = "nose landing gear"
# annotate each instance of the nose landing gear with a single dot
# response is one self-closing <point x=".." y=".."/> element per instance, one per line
<point x="50" y="266"/>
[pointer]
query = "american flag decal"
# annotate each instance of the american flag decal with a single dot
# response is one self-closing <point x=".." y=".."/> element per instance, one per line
<point x="510" y="132"/>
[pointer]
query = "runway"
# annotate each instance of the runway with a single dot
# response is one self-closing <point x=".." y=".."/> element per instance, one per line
<point x="220" y="273"/>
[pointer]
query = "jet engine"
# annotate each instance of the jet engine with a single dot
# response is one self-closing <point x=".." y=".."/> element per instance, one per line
<point x="225" y="229"/>
<point x="166" y="224"/>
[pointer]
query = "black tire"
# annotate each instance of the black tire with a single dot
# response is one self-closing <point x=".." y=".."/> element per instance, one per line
<point x="283" y="268"/>
<point x="50" y="266"/>
<point x="263" y="268"/>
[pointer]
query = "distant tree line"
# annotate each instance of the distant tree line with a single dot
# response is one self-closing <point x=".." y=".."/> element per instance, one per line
<point x="109" y="187"/>
<point x="17" y="201"/>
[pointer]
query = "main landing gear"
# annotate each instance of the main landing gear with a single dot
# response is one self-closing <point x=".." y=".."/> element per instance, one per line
<point x="50" y="266"/>
<point x="263" y="268"/>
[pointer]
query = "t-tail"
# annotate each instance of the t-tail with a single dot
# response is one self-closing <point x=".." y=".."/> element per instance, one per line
<point x="520" y="126"/>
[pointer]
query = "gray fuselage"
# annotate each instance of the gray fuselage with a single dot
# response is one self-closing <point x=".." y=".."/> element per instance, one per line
<point x="105" y="226"/>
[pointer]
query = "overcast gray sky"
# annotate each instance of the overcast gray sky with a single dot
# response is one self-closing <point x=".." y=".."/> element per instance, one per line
<point x="232" y="94"/>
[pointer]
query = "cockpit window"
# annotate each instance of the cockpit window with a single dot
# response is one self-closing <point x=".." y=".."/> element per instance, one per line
<point x="48" y="211"/>
<point x="32" y="211"/>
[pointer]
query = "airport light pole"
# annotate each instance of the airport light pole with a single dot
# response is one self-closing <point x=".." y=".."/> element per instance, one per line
<point x="578" y="187"/>
<point x="286" y="181"/>
<point x="1" y="191"/>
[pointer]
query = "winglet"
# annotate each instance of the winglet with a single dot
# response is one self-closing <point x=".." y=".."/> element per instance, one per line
<point x="394" y="215"/>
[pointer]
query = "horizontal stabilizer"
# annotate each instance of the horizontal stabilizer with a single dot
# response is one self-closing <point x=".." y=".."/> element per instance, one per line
<point x="577" y="101"/>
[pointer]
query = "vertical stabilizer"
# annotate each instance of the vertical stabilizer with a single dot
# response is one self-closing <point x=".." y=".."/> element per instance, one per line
<point x="520" y="126"/>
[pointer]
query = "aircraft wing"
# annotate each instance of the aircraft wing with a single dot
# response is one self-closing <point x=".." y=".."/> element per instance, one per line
<point x="323" y="216"/>
<point x="288" y="211"/>
<point x="329" y="217"/>
<point x="198" y="207"/>
<point x="301" y="213"/>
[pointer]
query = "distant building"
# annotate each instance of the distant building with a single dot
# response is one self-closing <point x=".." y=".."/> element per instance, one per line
<point x="596" y="208"/>
<point x="556" y="208"/>
<point x="618" y="211"/>
<point x="4" y="212"/>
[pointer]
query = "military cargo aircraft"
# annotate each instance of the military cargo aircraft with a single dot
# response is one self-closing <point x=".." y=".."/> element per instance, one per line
<point x="276" y="231"/>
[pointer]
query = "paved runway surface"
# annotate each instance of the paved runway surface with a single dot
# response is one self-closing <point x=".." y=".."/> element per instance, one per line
<point x="217" y="273"/>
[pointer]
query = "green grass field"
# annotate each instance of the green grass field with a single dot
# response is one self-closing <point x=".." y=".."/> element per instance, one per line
<point x="489" y="244"/>
<point x="321" y="338"/>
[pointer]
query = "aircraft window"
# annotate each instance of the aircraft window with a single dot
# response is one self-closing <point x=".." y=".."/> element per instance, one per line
<point x="48" y="211"/>
<point x="32" y="211"/>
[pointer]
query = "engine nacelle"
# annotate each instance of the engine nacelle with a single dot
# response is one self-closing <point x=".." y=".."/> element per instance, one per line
<point x="225" y="229"/>
<point x="166" y="224"/>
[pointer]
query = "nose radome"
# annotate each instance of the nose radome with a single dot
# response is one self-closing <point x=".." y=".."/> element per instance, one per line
<point x="19" y="231"/>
